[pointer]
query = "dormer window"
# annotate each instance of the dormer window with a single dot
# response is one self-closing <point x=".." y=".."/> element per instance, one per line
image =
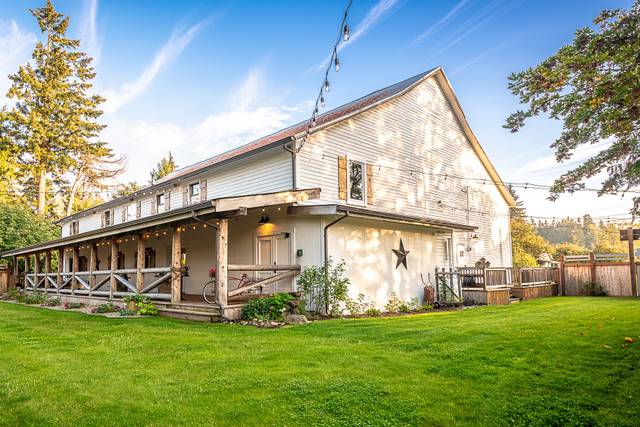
<point x="194" y="193"/>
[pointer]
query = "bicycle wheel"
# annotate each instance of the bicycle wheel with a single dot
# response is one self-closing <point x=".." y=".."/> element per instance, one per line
<point x="209" y="292"/>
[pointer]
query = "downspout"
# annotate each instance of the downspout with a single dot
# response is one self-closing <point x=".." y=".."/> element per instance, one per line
<point x="326" y="248"/>
<point x="294" y="161"/>
<point x="326" y="238"/>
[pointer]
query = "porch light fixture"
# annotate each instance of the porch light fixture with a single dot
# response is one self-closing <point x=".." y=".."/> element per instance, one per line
<point x="263" y="219"/>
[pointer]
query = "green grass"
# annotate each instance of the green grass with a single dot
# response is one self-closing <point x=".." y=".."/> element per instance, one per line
<point x="541" y="362"/>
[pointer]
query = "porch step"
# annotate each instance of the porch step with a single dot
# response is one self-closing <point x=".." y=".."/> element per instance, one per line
<point x="208" y="316"/>
<point x="200" y="307"/>
<point x="514" y="300"/>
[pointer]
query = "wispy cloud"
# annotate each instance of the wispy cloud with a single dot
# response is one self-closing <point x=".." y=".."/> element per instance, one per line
<point x="178" y="41"/>
<point x="381" y="9"/>
<point x="473" y="24"/>
<point x="89" y="30"/>
<point x="250" y="114"/>
<point x="442" y="22"/>
<point x="16" y="45"/>
<point x="481" y="57"/>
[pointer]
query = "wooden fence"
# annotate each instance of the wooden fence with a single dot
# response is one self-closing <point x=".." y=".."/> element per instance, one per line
<point x="616" y="274"/>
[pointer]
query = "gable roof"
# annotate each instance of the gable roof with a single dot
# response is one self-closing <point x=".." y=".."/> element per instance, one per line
<point x="322" y="121"/>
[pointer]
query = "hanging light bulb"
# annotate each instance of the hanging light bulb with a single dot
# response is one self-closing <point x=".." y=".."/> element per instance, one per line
<point x="322" y="103"/>
<point x="337" y="63"/>
<point x="327" y="86"/>
<point x="313" y="120"/>
<point x="346" y="32"/>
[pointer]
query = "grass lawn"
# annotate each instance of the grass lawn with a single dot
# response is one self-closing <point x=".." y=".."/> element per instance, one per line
<point x="552" y="361"/>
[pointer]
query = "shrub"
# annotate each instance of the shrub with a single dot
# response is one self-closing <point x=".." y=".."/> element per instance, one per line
<point x="356" y="307"/>
<point x="147" y="309"/>
<point x="15" y="294"/>
<point x="52" y="302"/>
<point x="413" y="304"/>
<point x="72" y="305"/>
<point x="138" y="298"/>
<point x="426" y="307"/>
<point x="324" y="287"/>
<point x="593" y="289"/>
<point x="107" y="307"/>
<point x="373" y="312"/>
<point x="125" y="312"/>
<point x="268" y="308"/>
<point x="393" y="305"/>
<point x="404" y="308"/>
<point x="35" y="298"/>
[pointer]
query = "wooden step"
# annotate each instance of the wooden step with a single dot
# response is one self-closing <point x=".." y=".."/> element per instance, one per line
<point x="193" y="315"/>
<point x="514" y="300"/>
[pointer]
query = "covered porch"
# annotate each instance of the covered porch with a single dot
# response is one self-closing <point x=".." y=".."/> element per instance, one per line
<point x="168" y="257"/>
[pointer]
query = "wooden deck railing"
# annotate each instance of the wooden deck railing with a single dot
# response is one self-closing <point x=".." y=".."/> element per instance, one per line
<point x="492" y="277"/>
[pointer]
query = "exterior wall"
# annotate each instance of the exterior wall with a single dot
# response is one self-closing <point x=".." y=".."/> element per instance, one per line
<point x="262" y="173"/>
<point x="367" y="246"/>
<point x="418" y="132"/>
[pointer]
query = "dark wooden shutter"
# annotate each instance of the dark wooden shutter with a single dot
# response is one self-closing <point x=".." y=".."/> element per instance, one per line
<point x="138" y="209"/>
<point x="153" y="205"/>
<point x="342" y="177"/>
<point x="185" y="195"/>
<point x="123" y="216"/>
<point x="203" y="190"/>
<point x="167" y="200"/>
<point x="102" y="219"/>
<point x="369" y="184"/>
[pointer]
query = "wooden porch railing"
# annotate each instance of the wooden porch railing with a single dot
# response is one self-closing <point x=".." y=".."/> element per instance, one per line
<point x="492" y="277"/>
<point x="280" y="272"/>
<point x="92" y="283"/>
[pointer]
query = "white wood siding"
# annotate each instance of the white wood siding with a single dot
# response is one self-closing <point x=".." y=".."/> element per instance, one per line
<point x="266" y="172"/>
<point x="412" y="141"/>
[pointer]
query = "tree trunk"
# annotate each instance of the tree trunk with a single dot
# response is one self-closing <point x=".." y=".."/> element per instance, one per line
<point x="74" y="190"/>
<point x="42" y="193"/>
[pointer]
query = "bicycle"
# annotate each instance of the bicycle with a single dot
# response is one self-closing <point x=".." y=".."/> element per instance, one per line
<point x="209" y="288"/>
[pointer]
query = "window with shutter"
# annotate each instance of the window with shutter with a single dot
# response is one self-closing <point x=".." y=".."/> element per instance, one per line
<point x="123" y="216"/>
<point x="342" y="177"/>
<point x="194" y="193"/>
<point x="153" y="206"/>
<point x="167" y="201"/>
<point x="185" y="196"/>
<point x="138" y="209"/>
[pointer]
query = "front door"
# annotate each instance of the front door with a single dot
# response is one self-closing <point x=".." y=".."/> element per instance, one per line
<point x="274" y="250"/>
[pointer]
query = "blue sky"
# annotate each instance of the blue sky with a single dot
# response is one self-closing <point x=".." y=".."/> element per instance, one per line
<point x="200" y="77"/>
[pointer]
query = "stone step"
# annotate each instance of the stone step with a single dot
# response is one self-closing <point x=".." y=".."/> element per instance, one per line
<point x="193" y="315"/>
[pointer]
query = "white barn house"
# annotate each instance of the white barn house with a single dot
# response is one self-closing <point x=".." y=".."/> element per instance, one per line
<point x="398" y="166"/>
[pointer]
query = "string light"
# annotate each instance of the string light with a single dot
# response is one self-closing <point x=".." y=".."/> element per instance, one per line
<point x="337" y="63"/>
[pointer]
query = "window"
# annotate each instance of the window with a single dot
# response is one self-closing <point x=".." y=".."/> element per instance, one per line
<point x="194" y="193"/>
<point x="160" y="202"/>
<point x="107" y="218"/>
<point x="356" y="181"/>
<point x="74" y="228"/>
<point x="131" y="212"/>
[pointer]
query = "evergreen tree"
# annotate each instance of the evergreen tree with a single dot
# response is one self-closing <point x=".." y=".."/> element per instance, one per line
<point x="593" y="86"/>
<point x="165" y="166"/>
<point x="53" y="121"/>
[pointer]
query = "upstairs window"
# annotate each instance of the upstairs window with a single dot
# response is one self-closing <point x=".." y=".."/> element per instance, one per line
<point x="160" y="202"/>
<point x="194" y="193"/>
<point x="107" y="219"/>
<point x="74" y="228"/>
<point x="356" y="181"/>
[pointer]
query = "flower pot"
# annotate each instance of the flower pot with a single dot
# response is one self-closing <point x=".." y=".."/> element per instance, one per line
<point x="131" y="305"/>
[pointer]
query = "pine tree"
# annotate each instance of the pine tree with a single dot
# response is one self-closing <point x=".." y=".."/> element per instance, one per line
<point x="165" y="166"/>
<point x="53" y="122"/>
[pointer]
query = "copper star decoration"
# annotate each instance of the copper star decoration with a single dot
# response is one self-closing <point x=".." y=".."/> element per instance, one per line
<point x="402" y="255"/>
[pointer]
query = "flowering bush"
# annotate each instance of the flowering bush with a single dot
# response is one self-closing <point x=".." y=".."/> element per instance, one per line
<point x="268" y="308"/>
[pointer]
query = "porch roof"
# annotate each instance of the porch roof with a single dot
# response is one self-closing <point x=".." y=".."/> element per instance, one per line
<point x="362" y="212"/>
<point x="217" y="208"/>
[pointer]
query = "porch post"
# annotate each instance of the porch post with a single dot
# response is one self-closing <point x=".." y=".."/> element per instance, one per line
<point x="140" y="265"/>
<point x="60" y="269"/>
<point x="75" y="267"/>
<point x="93" y="262"/>
<point x="47" y="268"/>
<point x="113" y="285"/>
<point x="14" y="272"/>
<point x="222" y="262"/>
<point x="36" y="267"/>
<point x="27" y="262"/>
<point x="176" y="267"/>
